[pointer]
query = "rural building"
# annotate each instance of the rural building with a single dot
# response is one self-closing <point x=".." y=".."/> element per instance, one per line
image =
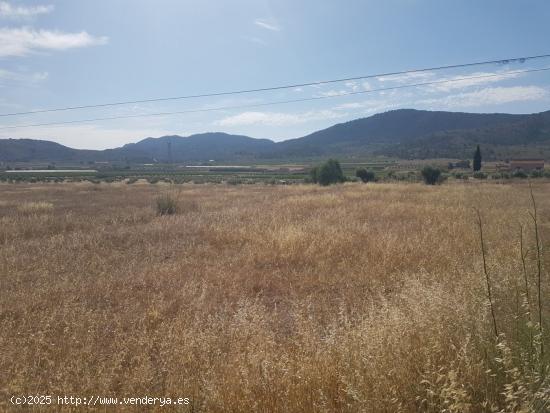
<point x="459" y="164"/>
<point x="526" y="164"/>
<point x="502" y="167"/>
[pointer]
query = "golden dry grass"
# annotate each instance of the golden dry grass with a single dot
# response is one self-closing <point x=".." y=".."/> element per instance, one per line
<point x="275" y="299"/>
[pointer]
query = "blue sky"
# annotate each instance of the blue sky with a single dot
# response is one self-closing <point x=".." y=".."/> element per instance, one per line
<point x="66" y="53"/>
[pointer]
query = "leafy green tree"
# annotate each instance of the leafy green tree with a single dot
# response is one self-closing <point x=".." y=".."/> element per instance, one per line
<point x="431" y="175"/>
<point x="313" y="174"/>
<point x="327" y="173"/>
<point x="477" y="159"/>
<point x="364" y="175"/>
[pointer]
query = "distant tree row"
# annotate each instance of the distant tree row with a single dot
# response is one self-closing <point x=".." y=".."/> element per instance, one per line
<point x="330" y="172"/>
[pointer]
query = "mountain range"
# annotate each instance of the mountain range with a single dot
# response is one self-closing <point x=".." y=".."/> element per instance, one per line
<point x="404" y="133"/>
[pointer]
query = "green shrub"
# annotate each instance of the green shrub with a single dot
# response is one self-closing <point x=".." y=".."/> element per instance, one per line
<point x="520" y="174"/>
<point x="364" y="175"/>
<point x="313" y="175"/>
<point x="431" y="175"/>
<point x="166" y="205"/>
<point x="480" y="175"/>
<point x="537" y="173"/>
<point x="327" y="173"/>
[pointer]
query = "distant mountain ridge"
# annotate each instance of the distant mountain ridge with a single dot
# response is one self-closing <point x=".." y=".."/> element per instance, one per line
<point x="404" y="133"/>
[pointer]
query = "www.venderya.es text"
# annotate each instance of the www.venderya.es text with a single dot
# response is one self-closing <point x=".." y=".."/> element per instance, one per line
<point x="47" y="400"/>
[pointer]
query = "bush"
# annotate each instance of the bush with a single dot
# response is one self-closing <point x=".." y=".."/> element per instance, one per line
<point x="480" y="175"/>
<point x="167" y="205"/>
<point x="431" y="175"/>
<point x="173" y="202"/>
<point x="327" y="173"/>
<point x="537" y="173"/>
<point x="520" y="174"/>
<point x="313" y="175"/>
<point x="364" y="175"/>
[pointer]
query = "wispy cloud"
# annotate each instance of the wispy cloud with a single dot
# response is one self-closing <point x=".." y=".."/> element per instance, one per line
<point x="333" y="93"/>
<point x="256" y="40"/>
<point x="368" y="106"/>
<point x="9" y="77"/>
<point x="407" y="77"/>
<point x="473" y="79"/>
<point x="277" y="118"/>
<point x="268" y="25"/>
<point x="23" y="41"/>
<point x="352" y="87"/>
<point x="449" y="83"/>
<point x="9" y="11"/>
<point x="489" y="96"/>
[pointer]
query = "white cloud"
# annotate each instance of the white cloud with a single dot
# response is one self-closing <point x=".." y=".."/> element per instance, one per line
<point x="8" y="75"/>
<point x="474" y="79"/>
<point x="368" y="107"/>
<point x="256" y="40"/>
<point x="9" y="105"/>
<point x="9" y="11"/>
<point x="333" y="93"/>
<point x="449" y="83"/>
<point x="39" y="76"/>
<point x="353" y="105"/>
<point x="277" y="118"/>
<point x="26" y="78"/>
<point x="489" y="96"/>
<point x="352" y="85"/>
<point x="267" y="25"/>
<point x="407" y="77"/>
<point x="22" y="41"/>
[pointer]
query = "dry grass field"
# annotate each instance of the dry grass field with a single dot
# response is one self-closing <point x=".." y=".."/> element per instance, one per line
<point x="351" y="298"/>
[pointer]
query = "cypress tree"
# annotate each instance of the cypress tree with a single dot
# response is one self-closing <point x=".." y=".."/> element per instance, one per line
<point x="477" y="159"/>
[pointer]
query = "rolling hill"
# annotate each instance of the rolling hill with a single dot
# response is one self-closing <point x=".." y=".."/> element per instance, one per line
<point x="404" y="133"/>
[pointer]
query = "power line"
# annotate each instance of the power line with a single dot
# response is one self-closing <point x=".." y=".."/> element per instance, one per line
<point x="267" y="89"/>
<point x="248" y="106"/>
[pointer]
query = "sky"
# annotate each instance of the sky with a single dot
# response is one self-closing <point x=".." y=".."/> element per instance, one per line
<point x="56" y="54"/>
